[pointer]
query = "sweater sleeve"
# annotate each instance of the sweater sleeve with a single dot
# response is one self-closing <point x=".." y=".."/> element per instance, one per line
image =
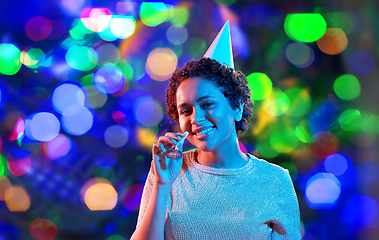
<point x="283" y="217"/>
<point x="146" y="195"/>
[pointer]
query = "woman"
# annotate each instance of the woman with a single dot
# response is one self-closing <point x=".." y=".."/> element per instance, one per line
<point x="215" y="191"/>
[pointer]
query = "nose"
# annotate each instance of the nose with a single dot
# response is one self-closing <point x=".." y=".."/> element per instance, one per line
<point x="197" y="117"/>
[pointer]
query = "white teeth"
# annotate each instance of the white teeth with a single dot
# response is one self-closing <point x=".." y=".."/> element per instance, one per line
<point x="206" y="131"/>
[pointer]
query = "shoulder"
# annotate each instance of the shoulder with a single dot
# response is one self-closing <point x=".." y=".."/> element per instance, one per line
<point x="268" y="168"/>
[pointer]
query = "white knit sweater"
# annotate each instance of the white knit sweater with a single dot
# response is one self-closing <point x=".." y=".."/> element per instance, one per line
<point x="257" y="201"/>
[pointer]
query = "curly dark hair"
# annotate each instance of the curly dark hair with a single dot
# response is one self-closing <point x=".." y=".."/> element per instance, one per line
<point x="232" y="83"/>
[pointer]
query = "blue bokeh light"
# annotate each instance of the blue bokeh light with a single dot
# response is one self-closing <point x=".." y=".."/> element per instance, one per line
<point x="77" y="120"/>
<point x="360" y="210"/>
<point x="66" y="95"/>
<point x="336" y="164"/>
<point x="42" y="126"/>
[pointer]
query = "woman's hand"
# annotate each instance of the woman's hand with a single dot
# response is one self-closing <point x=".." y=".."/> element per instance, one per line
<point x="165" y="169"/>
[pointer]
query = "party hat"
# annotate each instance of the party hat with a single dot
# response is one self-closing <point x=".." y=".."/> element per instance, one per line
<point x="221" y="47"/>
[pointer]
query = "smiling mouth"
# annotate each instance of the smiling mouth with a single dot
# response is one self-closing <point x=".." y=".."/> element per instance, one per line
<point x="204" y="133"/>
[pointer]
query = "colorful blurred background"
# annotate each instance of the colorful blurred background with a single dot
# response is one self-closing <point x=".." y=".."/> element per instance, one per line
<point x="82" y="100"/>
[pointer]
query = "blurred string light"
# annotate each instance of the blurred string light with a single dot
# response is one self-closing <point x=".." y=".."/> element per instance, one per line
<point x="42" y="126"/>
<point x="131" y="197"/>
<point x="107" y="54"/>
<point x="18" y="166"/>
<point x="17" y="199"/>
<point x="305" y="27"/>
<point x="154" y="13"/>
<point x="77" y="120"/>
<point x="10" y="62"/>
<point x="57" y="147"/>
<point x="303" y="133"/>
<point x="108" y="79"/>
<point x="180" y="15"/>
<point x="106" y="172"/>
<point x="122" y="26"/>
<point x="224" y="2"/>
<point x="33" y="58"/>
<point x="94" y="98"/>
<point x="361" y="62"/>
<point x="2" y="168"/>
<point x="73" y="6"/>
<point x="299" y="54"/>
<point x="116" y="136"/>
<point x="115" y="237"/>
<point x="265" y="149"/>
<point x="196" y="47"/>
<point x="42" y="228"/>
<point x="128" y="103"/>
<point x="260" y="85"/>
<point x="336" y="164"/>
<point x="347" y="87"/>
<point x="322" y="191"/>
<point x="350" y="120"/>
<point x="81" y="58"/>
<point x="348" y="21"/>
<point x="177" y="34"/>
<point x="360" y="210"/>
<point x="333" y="42"/>
<point x="38" y="28"/>
<point x="146" y="137"/>
<point x="161" y="63"/>
<point x="99" y="195"/>
<point x="284" y="140"/>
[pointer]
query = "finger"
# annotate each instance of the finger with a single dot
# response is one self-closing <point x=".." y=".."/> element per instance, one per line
<point x="176" y="136"/>
<point x="168" y="141"/>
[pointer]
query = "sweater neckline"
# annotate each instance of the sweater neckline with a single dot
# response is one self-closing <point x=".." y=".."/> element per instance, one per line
<point x="218" y="171"/>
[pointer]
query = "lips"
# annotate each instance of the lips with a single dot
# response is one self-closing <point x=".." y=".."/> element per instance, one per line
<point x="204" y="133"/>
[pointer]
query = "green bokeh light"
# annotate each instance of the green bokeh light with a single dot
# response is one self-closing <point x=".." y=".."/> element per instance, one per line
<point x="115" y="237"/>
<point x="260" y="85"/>
<point x="303" y="133"/>
<point x="305" y="27"/>
<point x="196" y="47"/>
<point x="81" y="58"/>
<point x="107" y="173"/>
<point x="265" y="149"/>
<point x="180" y="16"/>
<point x="126" y="69"/>
<point x="350" y="120"/>
<point x="370" y="123"/>
<point x="284" y="140"/>
<point x="347" y="87"/>
<point x="10" y="62"/>
<point x="78" y="30"/>
<point x="2" y="165"/>
<point x="300" y="102"/>
<point x="277" y="103"/>
<point x="154" y="13"/>
<point x="36" y="55"/>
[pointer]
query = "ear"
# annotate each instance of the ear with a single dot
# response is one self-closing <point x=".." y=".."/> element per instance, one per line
<point x="239" y="112"/>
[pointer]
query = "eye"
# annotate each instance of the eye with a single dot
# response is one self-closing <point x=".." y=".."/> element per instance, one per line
<point x="184" y="112"/>
<point x="208" y="104"/>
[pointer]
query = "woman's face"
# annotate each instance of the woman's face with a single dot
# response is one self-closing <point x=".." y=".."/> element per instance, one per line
<point x="202" y="106"/>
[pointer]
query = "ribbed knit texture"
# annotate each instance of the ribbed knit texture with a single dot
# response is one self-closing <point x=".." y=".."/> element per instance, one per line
<point x="257" y="201"/>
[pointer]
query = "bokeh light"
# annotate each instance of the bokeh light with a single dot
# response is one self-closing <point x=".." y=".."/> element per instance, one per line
<point x="260" y="85"/>
<point x="303" y="133"/>
<point x="67" y="95"/>
<point x="108" y="54"/>
<point x="122" y="26"/>
<point x="347" y="87"/>
<point x="58" y="147"/>
<point x="81" y="58"/>
<point x="284" y="140"/>
<point x="43" y="229"/>
<point x="5" y="184"/>
<point x="19" y="167"/>
<point x="73" y="6"/>
<point x="99" y="195"/>
<point x="323" y="191"/>
<point x="161" y="63"/>
<point x="324" y="144"/>
<point x="361" y="62"/>
<point x="94" y="98"/>
<point x="2" y="168"/>
<point x="180" y="15"/>
<point x="77" y="120"/>
<point x="177" y="34"/>
<point x="277" y="103"/>
<point x="350" y="120"/>
<point x="299" y="54"/>
<point x="360" y="210"/>
<point x="146" y="137"/>
<point x="33" y="58"/>
<point x="224" y="2"/>
<point x="149" y="113"/>
<point x="116" y="136"/>
<point x="108" y="79"/>
<point x="131" y="197"/>
<point x="42" y="126"/>
<point x="305" y="27"/>
<point x="333" y="42"/>
<point x="336" y="164"/>
<point x="265" y="149"/>
<point x="300" y="102"/>
<point x="10" y="62"/>
<point x="38" y="28"/>
<point x="154" y="13"/>
<point x="115" y="237"/>
<point x="17" y="199"/>
<point x="96" y="19"/>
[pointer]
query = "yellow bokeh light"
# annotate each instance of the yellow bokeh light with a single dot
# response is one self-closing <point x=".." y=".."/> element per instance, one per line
<point x="146" y="137"/>
<point x="17" y="199"/>
<point x="161" y="63"/>
<point x="4" y="186"/>
<point x="100" y="196"/>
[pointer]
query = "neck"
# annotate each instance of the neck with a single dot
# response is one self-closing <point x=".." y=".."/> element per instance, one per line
<point x="223" y="157"/>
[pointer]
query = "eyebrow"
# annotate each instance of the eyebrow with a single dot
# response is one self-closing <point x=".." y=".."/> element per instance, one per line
<point x="198" y="100"/>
